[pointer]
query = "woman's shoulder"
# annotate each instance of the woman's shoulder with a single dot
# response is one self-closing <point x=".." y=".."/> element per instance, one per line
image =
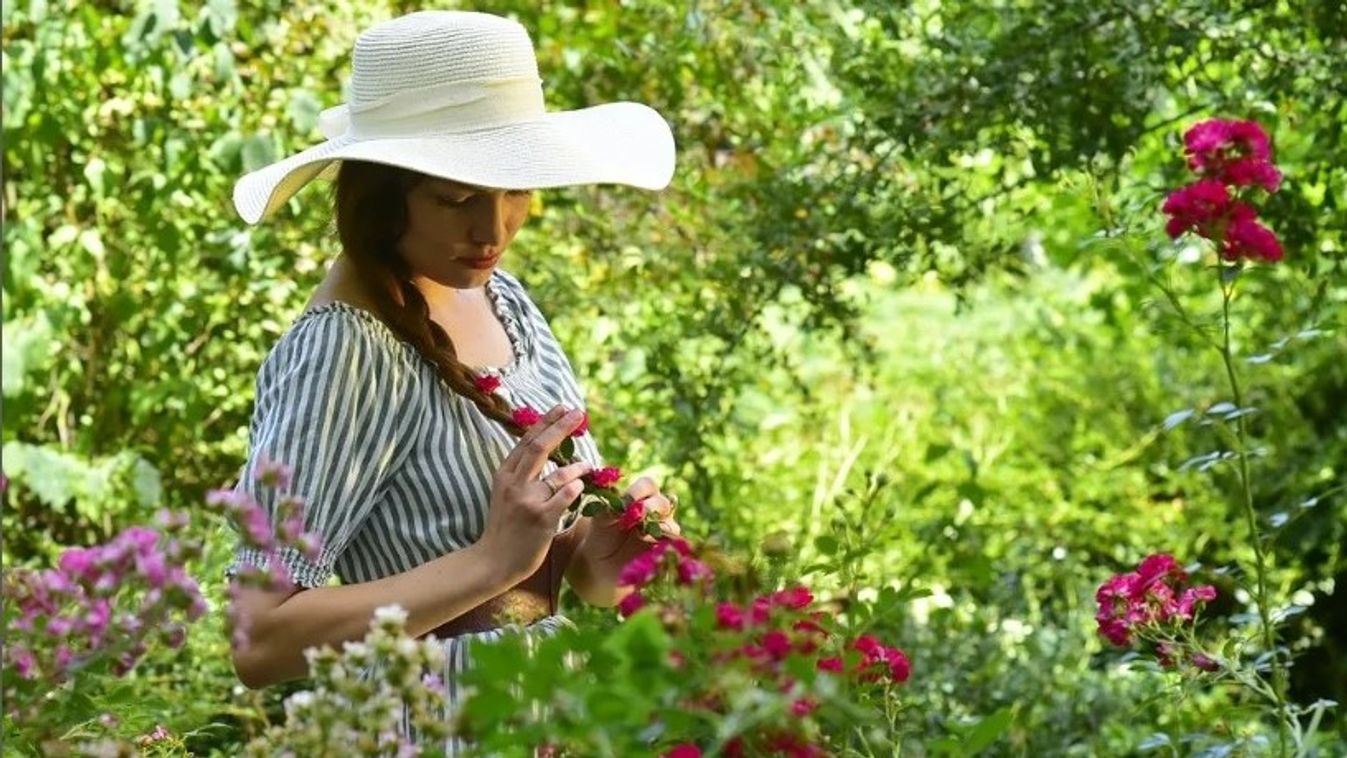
<point x="338" y="333"/>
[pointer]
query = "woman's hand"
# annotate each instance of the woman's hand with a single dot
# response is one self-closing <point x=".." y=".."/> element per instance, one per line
<point x="522" y="518"/>
<point x="607" y="546"/>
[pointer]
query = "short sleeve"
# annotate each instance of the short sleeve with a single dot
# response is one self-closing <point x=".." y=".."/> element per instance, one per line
<point x="332" y="404"/>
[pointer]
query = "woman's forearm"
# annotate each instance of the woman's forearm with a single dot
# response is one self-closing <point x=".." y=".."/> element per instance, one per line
<point x="431" y="594"/>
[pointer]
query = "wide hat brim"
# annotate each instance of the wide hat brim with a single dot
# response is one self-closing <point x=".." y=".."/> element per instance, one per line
<point x="613" y="143"/>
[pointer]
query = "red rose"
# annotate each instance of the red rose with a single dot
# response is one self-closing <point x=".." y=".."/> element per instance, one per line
<point x="632" y="516"/>
<point x="605" y="477"/>
<point x="487" y="383"/>
<point x="526" y="416"/>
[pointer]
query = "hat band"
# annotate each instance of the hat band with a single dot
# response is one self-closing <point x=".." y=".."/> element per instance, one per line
<point x="448" y="108"/>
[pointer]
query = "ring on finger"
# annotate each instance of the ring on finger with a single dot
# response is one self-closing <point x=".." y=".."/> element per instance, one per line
<point x="551" y="488"/>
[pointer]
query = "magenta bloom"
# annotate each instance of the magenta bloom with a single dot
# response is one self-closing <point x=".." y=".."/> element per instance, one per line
<point x="641" y="569"/>
<point x="78" y="562"/>
<point x="630" y="604"/>
<point x="797" y="598"/>
<point x="1147" y="597"/>
<point x="874" y="653"/>
<point x="526" y="416"/>
<point x="684" y="750"/>
<point x="632" y="517"/>
<point x="803" y="707"/>
<point x="729" y="616"/>
<point x="1216" y="145"/>
<point x="1246" y="238"/>
<point x="605" y="477"/>
<point x="1249" y="172"/>
<point x="868" y="644"/>
<point x="691" y="570"/>
<point x="1196" y="208"/>
<point x="1204" y="662"/>
<point x="833" y="664"/>
<point x="777" y="644"/>
<point x="486" y="383"/>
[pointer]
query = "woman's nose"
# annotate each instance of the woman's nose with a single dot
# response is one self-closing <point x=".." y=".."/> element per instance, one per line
<point x="488" y="221"/>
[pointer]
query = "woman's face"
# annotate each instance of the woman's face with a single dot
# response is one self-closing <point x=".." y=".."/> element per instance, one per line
<point x="457" y="233"/>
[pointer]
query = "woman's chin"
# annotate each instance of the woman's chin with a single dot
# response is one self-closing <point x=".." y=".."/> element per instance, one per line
<point x="460" y="276"/>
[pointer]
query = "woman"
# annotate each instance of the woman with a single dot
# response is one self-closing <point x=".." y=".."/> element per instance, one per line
<point x="424" y="491"/>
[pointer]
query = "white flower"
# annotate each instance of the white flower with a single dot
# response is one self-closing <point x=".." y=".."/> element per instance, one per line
<point x="391" y="613"/>
<point x="406" y="647"/>
<point x="302" y="699"/>
<point x="357" y="650"/>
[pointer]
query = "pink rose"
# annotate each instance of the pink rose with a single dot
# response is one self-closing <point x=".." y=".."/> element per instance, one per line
<point x="630" y="604"/>
<point x="728" y="616"/>
<point x="604" y="477"/>
<point x="777" y="644"/>
<point x="486" y="383"/>
<point x="632" y="517"/>
<point x="833" y="664"/>
<point x="691" y="570"/>
<point x="526" y="416"/>
<point x="1196" y="208"/>
<point x="797" y="598"/>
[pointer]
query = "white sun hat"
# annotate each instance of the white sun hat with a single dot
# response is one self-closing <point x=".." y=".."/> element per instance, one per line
<point x="456" y="94"/>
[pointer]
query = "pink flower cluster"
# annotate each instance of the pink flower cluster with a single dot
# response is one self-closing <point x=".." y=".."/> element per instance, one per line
<point x="104" y="602"/>
<point x="642" y="570"/>
<point x="1225" y="155"/>
<point x="255" y="528"/>
<point x="1150" y="597"/>
<point x="1232" y="152"/>
<point x="759" y="635"/>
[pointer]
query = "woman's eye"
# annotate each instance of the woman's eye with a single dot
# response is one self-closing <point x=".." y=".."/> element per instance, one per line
<point x="453" y="202"/>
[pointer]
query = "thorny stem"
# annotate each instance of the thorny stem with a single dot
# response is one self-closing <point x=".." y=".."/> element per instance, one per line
<point x="1255" y="536"/>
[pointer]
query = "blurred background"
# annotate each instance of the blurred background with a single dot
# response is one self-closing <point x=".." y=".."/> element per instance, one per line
<point x="894" y="311"/>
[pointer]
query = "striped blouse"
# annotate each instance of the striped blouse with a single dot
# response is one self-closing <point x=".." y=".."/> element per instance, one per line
<point x="394" y="467"/>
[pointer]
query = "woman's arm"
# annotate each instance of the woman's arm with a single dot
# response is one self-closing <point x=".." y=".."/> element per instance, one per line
<point x="282" y="624"/>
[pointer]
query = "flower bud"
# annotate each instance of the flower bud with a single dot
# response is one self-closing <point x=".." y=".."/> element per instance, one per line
<point x="777" y="544"/>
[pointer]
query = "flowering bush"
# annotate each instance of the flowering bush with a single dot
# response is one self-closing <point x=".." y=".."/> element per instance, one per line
<point x="355" y="697"/>
<point x="1232" y="161"/>
<point x="255" y="527"/>
<point x="73" y="629"/>
<point x="1151" y="603"/>
<point x="720" y="670"/>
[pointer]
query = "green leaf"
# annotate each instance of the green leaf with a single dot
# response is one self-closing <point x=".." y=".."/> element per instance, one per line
<point x="567" y="448"/>
<point x="258" y="151"/>
<point x="304" y="109"/>
<point x="986" y="731"/>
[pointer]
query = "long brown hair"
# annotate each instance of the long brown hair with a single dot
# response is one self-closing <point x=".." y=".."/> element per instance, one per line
<point x="371" y="215"/>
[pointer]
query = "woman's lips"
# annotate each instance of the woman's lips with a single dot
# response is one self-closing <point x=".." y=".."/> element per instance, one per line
<point x="480" y="263"/>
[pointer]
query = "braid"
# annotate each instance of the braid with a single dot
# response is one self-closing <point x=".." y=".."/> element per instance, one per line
<point x="371" y="216"/>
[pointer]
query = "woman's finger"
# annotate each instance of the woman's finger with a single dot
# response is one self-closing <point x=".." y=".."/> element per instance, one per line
<point x="641" y="488"/>
<point x="563" y="476"/>
<point x="516" y="455"/>
<point x="536" y="450"/>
